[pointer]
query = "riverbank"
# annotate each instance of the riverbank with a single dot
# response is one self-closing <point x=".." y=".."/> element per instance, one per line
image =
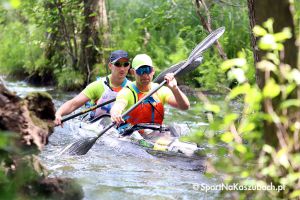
<point x="25" y="126"/>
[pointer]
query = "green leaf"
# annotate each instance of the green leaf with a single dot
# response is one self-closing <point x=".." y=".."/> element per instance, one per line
<point x="241" y="148"/>
<point x="93" y="14"/>
<point x="138" y="20"/>
<point x="212" y="107"/>
<point x="296" y="76"/>
<point x="267" y="148"/>
<point x="238" y="91"/>
<point x="259" y="31"/>
<point x="238" y="74"/>
<point x="266" y="66"/>
<point x="15" y="3"/>
<point x="284" y="35"/>
<point x="227" y="137"/>
<point x="253" y="96"/>
<point x="245" y="174"/>
<point x="49" y="29"/>
<point x="296" y="158"/>
<point x="246" y="127"/>
<point x="269" y="24"/>
<point x="292" y="177"/>
<point x="295" y="194"/>
<point x="273" y="57"/>
<point x="229" y="118"/>
<point x="271" y="89"/>
<point x="290" y="88"/>
<point x="290" y="102"/>
<point x="270" y="171"/>
<point x="3" y="141"/>
<point x="233" y="62"/>
<point x="267" y="42"/>
<point x="283" y="158"/>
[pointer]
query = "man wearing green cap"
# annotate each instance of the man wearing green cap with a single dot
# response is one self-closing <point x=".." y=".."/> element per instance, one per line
<point x="152" y="109"/>
<point x="101" y="90"/>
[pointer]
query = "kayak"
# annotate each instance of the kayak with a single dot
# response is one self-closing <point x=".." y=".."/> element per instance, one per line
<point x="153" y="138"/>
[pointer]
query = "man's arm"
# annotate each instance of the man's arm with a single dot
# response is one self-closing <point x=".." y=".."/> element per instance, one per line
<point x="122" y="100"/>
<point x="116" y="112"/>
<point x="178" y="99"/>
<point x="70" y="106"/>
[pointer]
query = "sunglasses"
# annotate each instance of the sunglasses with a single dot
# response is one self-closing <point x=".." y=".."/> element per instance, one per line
<point x="120" y="64"/>
<point x="144" y="70"/>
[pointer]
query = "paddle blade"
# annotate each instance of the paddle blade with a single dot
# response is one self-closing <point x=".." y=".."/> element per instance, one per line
<point x="175" y="67"/>
<point x="207" y="42"/>
<point x="80" y="147"/>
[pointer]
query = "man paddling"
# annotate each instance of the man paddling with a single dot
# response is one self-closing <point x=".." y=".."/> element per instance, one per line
<point x="101" y="90"/>
<point x="152" y="109"/>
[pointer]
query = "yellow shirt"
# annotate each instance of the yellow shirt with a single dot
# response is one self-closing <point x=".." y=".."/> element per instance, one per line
<point x="126" y="96"/>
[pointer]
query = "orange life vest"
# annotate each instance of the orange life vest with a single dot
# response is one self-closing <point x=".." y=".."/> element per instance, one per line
<point x="149" y="111"/>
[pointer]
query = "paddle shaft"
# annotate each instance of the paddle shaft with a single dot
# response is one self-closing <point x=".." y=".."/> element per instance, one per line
<point x="88" y="110"/>
<point x="145" y="97"/>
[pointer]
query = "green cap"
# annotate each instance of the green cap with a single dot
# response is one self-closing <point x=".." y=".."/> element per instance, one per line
<point x="141" y="60"/>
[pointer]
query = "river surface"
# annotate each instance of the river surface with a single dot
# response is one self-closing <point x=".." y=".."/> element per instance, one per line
<point x="126" y="172"/>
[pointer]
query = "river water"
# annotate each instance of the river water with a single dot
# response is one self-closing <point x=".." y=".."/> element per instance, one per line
<point x="126" y="172"/>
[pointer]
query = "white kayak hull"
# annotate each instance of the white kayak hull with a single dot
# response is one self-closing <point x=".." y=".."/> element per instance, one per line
<point x="151" y="141"/>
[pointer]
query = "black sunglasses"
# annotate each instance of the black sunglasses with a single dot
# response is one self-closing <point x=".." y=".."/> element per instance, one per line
<point x="120" y="64"/>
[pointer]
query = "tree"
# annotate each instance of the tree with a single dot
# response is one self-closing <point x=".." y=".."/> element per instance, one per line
<point x="90" y="40"/>
<point x="280" y="11"/>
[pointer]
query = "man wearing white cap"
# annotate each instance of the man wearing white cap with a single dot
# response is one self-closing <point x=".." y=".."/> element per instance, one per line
<point x="152" y="109"/>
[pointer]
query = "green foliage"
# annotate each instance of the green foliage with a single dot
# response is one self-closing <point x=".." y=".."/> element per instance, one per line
<point x="12" y="49"/>
<point x="26" y="50"/>
<point x="209" y="73"/>
<point x="166" y="30"/>
<point x="169" y="30"/>
<point x="22" y="52"/>
<point x="13" y="177"/>
<point x="70" y="80"/>
<point x="243" y="155"/>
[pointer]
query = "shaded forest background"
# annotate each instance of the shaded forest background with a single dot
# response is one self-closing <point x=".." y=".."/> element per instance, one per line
<point x="67" y="42"/>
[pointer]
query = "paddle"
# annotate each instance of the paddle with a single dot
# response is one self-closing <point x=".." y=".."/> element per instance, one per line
<point x="87" y="110"/>
<point x="82" y="146"/>
<point x="158" y="79"/>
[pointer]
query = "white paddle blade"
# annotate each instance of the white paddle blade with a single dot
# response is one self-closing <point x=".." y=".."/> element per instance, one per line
<point x="175" y="67"/>
<point x="207" y="42"/>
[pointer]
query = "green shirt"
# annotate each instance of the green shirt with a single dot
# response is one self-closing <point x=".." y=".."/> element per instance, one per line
<point x="126" y="95"/>
<point x="95" y="90"/>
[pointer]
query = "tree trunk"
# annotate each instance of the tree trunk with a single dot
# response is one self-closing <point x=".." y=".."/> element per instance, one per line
<point x="90" y="40"/>
<point x="66" y="33"/>
<point x="258" y="74"/>
<point x="280" y="11"/>
<point x="62" y="37"/>
<point x="104" y="35"/>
